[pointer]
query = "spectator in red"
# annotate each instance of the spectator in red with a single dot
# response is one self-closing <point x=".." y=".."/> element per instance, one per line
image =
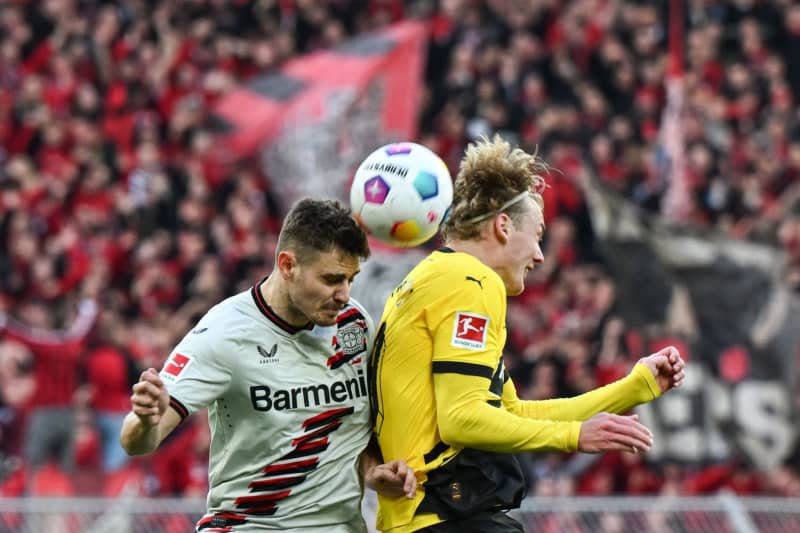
<point x="56" y="356"/>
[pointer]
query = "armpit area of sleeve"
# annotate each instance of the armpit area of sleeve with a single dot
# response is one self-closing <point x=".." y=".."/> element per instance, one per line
<point x="648" y="380"/>
<point x="179" y="407"/>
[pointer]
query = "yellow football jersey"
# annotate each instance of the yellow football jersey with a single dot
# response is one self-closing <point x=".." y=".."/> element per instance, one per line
<point x="439" y="385"/>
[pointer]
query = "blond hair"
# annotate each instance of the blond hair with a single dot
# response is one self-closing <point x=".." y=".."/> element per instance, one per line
<point x="492" y="177"/>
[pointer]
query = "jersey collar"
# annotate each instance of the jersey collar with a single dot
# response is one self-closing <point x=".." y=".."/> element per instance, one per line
<point x="271" y="315"/>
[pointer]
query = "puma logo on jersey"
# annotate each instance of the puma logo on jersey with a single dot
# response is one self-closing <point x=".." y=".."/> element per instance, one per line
<point x="476" y="280"/>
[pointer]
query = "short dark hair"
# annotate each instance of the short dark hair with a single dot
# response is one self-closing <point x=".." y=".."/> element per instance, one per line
<point x="314" y="225"/>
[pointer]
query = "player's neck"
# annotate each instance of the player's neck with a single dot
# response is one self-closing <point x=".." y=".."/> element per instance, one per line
<point x="277" y="299"/>
<point x="482" y="250"/>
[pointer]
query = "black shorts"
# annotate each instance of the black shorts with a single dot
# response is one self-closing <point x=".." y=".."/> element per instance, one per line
<point x="489" y="522"/>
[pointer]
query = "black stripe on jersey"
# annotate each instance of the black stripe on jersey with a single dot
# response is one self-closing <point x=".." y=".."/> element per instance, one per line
<point x="435" y="452"/>
<point x="467" y="369"/>
<point x="181" y="409"/>
<point x="264" y="510"/>
<point x="309" y="448"/>
<point x="249" y="502"/>
<point x="277" y="483"/>
<point x="220" y="521"/>
<point x="446" y="250"/>
<point x="326" y="417"/>
<point x="321" y="432"/>
<point x="263" y="505"/>
<point x="348" y="315"/>
<point x="494" y="403"/>
<point x="267" y="311"/>
<point x="295" y="467"/>
<point x="496" y="386"/>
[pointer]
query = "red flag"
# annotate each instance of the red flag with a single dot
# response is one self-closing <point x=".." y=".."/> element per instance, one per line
<point x="316" y="120"/>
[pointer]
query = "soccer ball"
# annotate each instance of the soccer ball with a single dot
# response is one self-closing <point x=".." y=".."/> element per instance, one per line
<point x="401" y="193"/>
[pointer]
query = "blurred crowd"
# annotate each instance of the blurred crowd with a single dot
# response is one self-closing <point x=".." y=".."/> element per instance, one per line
<point x="118" y="229"/>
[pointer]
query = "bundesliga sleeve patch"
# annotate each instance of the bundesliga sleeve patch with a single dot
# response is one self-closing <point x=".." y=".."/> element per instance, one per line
<point x="177" y="364"/>
<point x="469" y="331"/>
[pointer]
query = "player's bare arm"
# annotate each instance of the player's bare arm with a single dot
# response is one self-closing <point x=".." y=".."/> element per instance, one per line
<point x="150" y="420"/>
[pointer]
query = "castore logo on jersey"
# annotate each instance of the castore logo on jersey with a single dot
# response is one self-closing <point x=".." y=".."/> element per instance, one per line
<point x="268" y="357"/>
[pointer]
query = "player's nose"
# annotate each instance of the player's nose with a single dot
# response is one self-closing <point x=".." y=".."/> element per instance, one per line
<point x="538" y="256"/>
<point x="342" y="294"/>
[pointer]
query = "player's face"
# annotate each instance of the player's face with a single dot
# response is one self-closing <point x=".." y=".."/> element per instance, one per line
<point x="320" y="287"/>
<point x="522" y="251"/>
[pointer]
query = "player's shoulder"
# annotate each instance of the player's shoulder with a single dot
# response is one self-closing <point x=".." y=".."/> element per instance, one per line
<point x="358" y="307"/>
<point x="224" y="323"/>
<point x="354" y="311"/>
<point x="458" y="272"/>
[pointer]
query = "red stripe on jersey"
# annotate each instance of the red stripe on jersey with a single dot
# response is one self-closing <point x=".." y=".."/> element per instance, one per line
<point x="321" y="432"/>
<point x="275" y="483"/>
<point x="323" y="418"/>
<point x="263" y="510"/>
<point x="228" y="520"/>
<point x="294" y="467"/>
<point x="313" y="444"/>
<point x="335" y="358"/>
<point x="253" y="501"/>
<point x="347" y="314"/>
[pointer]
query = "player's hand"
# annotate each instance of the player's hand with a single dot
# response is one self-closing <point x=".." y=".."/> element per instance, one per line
<point x="393" y="480"/>
<point x="667" y="366"/>
<point x="605" y="432"/>
<point x="150" y="398"/>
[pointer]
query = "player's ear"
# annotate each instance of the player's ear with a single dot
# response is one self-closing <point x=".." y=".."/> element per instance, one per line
<point x="286" y="263"/>
<point x="501" y="225"/>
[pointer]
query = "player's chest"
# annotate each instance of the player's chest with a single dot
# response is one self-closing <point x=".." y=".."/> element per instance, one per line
<point x="296" y="376"/>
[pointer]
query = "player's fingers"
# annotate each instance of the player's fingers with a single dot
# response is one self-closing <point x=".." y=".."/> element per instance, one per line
<point x="144" y="400"/>
<point x="400" y="468"/>
<point x="677" y="379"/>
<point x="387" y="473"/>
<point x="666" y="351"/>
<point x="143" y="405"/>
<point x="146" y="388"/>
<point x="628" y="442"/>
<point x="151" y="376"/>
<point x="633" y="431"/>
<point x="410" y="485"/>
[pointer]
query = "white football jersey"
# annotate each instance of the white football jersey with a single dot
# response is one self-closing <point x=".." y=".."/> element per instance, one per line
<point x="289" y="415"/>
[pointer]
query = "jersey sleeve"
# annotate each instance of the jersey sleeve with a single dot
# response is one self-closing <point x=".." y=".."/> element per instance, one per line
<point x="198" y="371"/>
<point x="468" y="338"/>
<point x="468" y="328"/>
<point x="637" y="387"/>
<point x="465" y="419"/>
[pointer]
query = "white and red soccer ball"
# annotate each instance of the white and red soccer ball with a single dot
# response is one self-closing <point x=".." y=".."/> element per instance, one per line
<point x="401" y="193"/>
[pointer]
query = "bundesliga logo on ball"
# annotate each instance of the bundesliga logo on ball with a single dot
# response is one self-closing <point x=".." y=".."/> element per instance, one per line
<point x="401" y="193"/>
